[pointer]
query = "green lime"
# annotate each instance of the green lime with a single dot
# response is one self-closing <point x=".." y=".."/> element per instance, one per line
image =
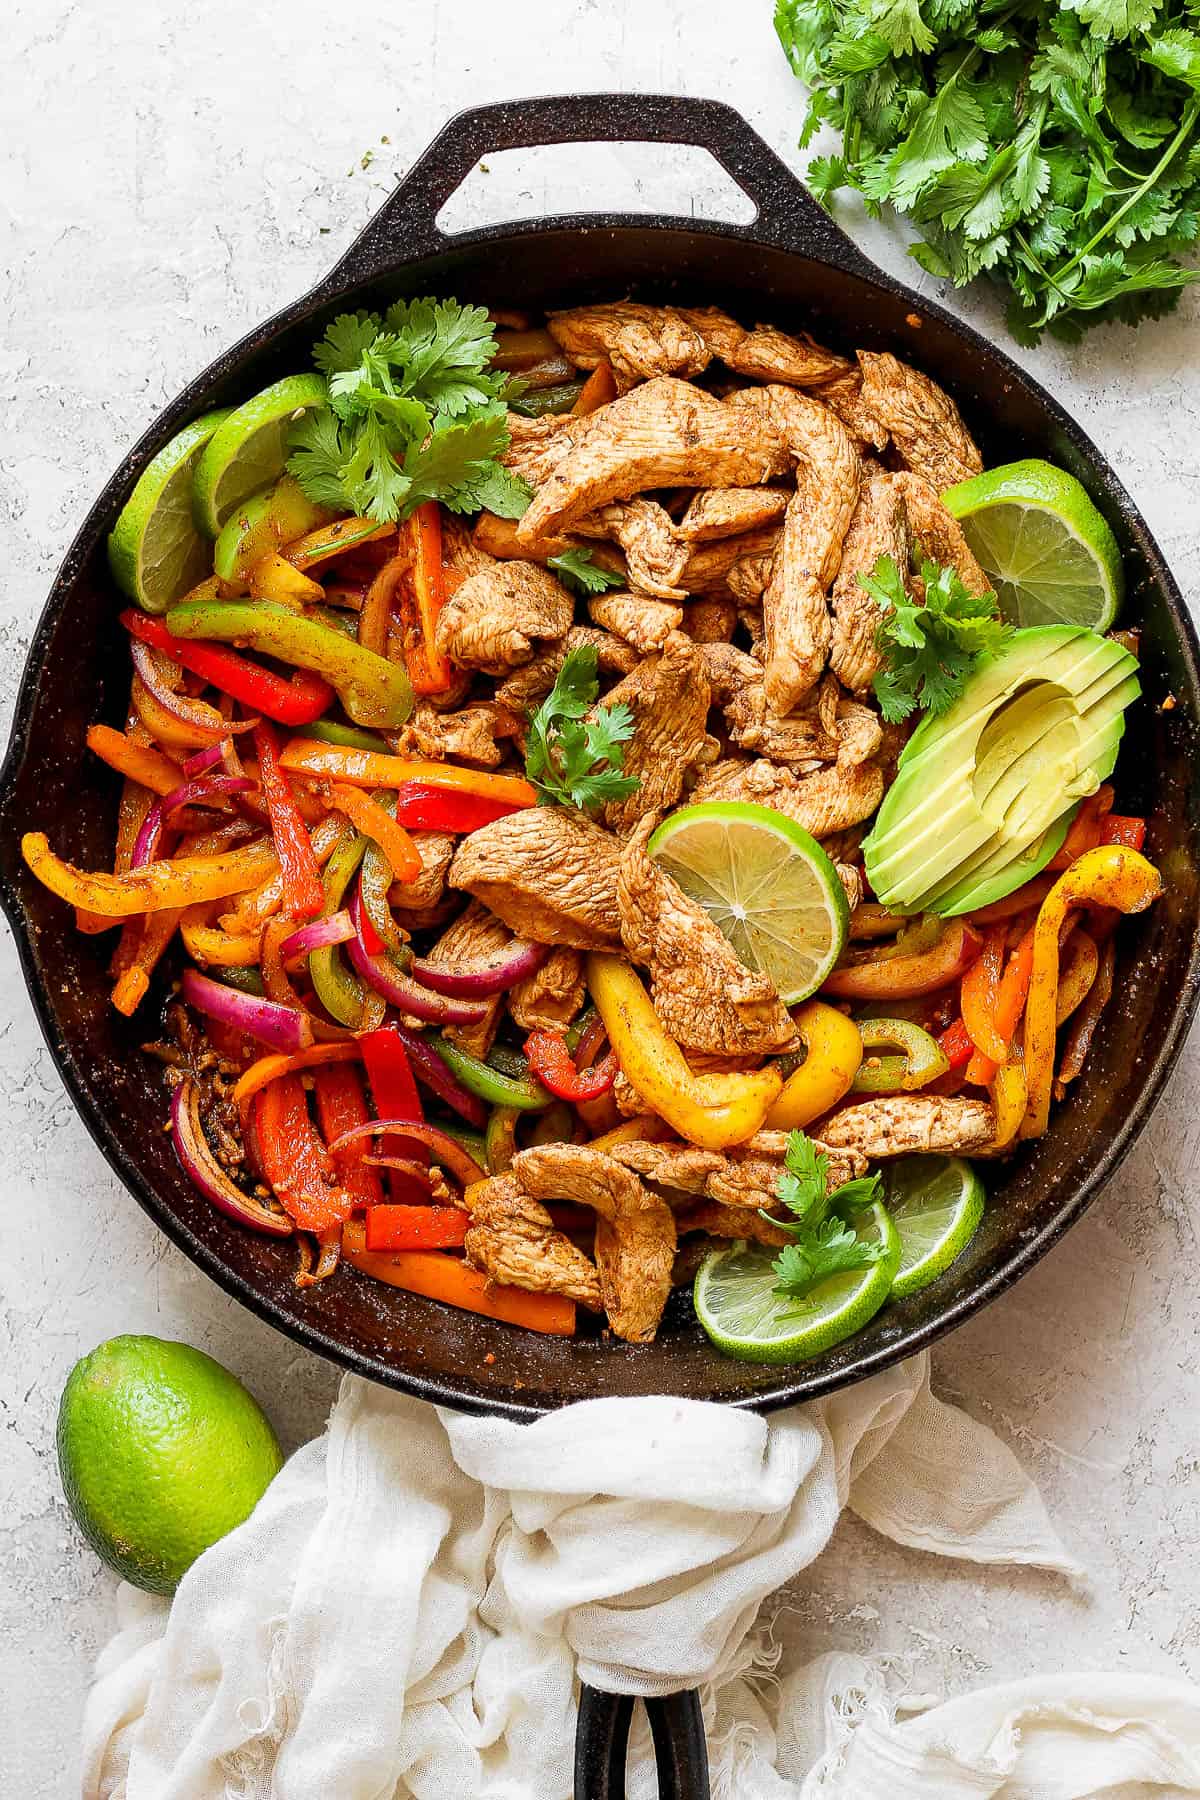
<point x="936" y="1203"/>
<point x="736" y="1303"/>
<point x="250" y="449"/>
<point x="162" y="1451"/>
<point x="1049" y="554"/>
<point x="154" y="550"/>
<point x="765" y="882"/>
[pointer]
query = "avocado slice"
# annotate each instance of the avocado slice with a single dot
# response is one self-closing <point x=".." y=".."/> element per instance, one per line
<point x="985" y="794"/>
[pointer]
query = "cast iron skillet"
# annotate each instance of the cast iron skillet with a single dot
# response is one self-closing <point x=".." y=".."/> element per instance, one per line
<point x="792" y="266"/>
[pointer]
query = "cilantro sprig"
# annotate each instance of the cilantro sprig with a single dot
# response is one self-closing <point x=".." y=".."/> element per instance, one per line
<point x="576" y="750"/>
<point x="1053" y="147"/>
<point x="415" y="413"/>
<point x="930" y="650"/>
<point x="581" y="574"/>
<point x="824" y="1239"/>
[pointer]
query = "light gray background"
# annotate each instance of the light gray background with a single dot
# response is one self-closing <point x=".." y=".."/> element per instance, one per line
<point x="167" y="183"/>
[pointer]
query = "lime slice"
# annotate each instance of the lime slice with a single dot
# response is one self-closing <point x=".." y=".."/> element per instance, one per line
<point x="154" y="550"/>
<point x="769" y="887"/>
<point x="736" y="1303"/>
<point x="1049" y="554"/>
<point x="936" y="1203"/>
<point x="251" y="448"/>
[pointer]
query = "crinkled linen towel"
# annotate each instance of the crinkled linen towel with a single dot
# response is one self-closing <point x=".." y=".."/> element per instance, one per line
<point x="405" y="1614"/>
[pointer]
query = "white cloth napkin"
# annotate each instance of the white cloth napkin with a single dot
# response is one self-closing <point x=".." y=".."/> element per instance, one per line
<point x="407" y="1611"/>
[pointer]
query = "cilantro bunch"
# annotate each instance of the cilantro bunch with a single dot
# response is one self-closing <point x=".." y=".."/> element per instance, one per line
<point x="1053" y="147"/>
<point x="824" y="1240"/>
<point x="576" y="749"/>
<point x="415" y="413"/>
<point x="931" y="650"/>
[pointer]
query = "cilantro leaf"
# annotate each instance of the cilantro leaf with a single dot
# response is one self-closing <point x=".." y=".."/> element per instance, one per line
<point x="929" y="650"/>
<point x="575" y="752"/>
<point x="583" y="576"/>
<point x="823" y="1238"/>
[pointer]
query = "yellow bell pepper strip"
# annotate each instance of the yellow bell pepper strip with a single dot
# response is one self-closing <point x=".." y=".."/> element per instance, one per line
<point x="834" y="1050"/>
<point x="207" y="726"/>
<point x="878" y="976"/>
<point x="363" y="768"/>
<point x="274" y="578"/>
<point x="369" y="817"/>
<point x="645" y="1128"/>
<point x="138" y="762"/>
<point x="334" y="540"/>
<point x="1110" y="875"/>
<point x="1083" y="1025"/>
<point x="921" y="1060"/>
<point x="373" y="691"/>
<point x="713" y="1111"/>
<point x="1078" y="963"/>
<point x="157" y="885"/>
<point x="1009" y="1099"/>
<point x="375" y="614"/>
<point x="208" y="945"/>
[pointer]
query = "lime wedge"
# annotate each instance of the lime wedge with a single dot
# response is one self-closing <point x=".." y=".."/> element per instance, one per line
<point x="765" y="882"/>
<point x="250" y="449"/>
<point x="1047" y="551"/>
<point x="936" y="1203"/>
<point x="736" y="1303"/>
<point x="154" y="550"/>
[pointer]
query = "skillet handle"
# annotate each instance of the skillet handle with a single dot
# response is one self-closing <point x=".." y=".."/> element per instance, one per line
<point x="405" y="227"/>
<point x="602" y="1743"/>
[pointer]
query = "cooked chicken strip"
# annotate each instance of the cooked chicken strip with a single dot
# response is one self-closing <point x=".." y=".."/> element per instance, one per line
<point x="739" y="688"/>
<point x="711" y="621"/>
<point x="827" y="801"/>
<point x="550" y="875"/>
<point x="705" y="997"/>
<point x="638" y="341"/>
<point x="475" y="936"/>
<point x="766" y="353"/>
<point x="537" y="446"/>
<point x="902" y="1123"/>
<point x="665" y="433"/>
<point x="730" y="1222"/>
<point x="470" y="735"/>
<point x="512" y="1238"/>
<point x="436" y="850"/>
<point x="925" y="425"/>
<point x="938" y="532"/>
<point x="707" y="568"/>
<point x="728" y="512"/>
<point x="549" y="999"/>
<point x="642" y="622"/>
<point x="844" y="396"/>
<point x="879" y="528"/>
<point x="460" y="552"/>
<point x="739" y="1178"/>
<point x="493" y="621"/>
<point x="654" y="555"/>
<point x="527" y="687"/>
<point x="669" y="697"/>
<point x="852" y="882"/>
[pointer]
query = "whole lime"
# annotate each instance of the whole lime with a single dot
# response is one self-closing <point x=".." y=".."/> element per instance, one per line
<point x="162" y="1451"/>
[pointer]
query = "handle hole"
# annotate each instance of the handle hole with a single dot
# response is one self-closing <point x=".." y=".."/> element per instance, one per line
<point x="679" y="179"/>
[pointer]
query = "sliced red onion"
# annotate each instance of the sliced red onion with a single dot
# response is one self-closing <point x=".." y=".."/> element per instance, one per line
<point x="322" y="934"/>
<point x="519" y="960"/>
<point x="414" y="1170"/>
<point x="283" y="1027"/>
<point x="449" y="1152"/>
<point x="203" y="791"/>
<point x="193" y="1151"/>
<point x="380" y="973"/>
<point x="205" y="759"/>
<point x="157" y="673"/>
<point x="432" y="1073"/>
<point x="148" y="842"/>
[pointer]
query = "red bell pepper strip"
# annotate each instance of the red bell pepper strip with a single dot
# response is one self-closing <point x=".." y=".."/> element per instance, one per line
<point x="295" y="1162"/>
<point x="416" y="1227"/>
<point x="341" y="1105"/>
<point x="956" y="1045"/>
<point x="429" y="670"/>
<point x="303" y="894"/>
<point x="394" y="1091"/>
<point x="1121" y="828"/>
<point x="424" y="808"/>
<point x="879" y="976"/>
<point x="554" y="1066"/>
<point x="1085" y="828"/>
<point x="297" y="701"/>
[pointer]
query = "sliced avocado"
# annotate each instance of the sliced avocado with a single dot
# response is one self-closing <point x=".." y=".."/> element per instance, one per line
<point x="984" y="795"/>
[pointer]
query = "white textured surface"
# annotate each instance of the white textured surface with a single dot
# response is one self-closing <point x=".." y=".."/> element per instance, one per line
<point x="164" y="186"/>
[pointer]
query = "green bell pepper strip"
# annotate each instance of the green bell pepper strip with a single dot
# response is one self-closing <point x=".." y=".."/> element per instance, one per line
<point x="247" y="980"/>
<point x="473" y="1142"/>
<point x="491" y="1084"/>
<point x="922" y="1061"/>
<point x="500" y="1139"/>
<point x="329" y="731"/>
<point x="508" y="1061"/>
<point x="373" y="691"/>
<point x="538" y="402"/>
<point x="340" y="992"/>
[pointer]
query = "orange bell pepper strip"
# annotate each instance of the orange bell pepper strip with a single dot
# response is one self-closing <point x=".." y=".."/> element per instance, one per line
<point x="136" y="761"/>
<point x="416" y="1227"/>
<point x="422" y="597"/>
<point x="1109" y="875"/>
<point x="266" y="897"/>
<point x="267" y="1069"/>
<point x="1121" y="828"/>
<point x="880" y="977"/>
<point x="597" y="391"/>
<point x="1085" y="830"/>
<point x="979" y="994"/>
<point x="133" y="982"/>
<point x="371" y="769"/>
<point x="303" y="895"/>
<point x="367" y="816"/>
<point x="1032" y="893"/>
<point x="341" y="1105"/>
<point x="441" y="1277"/>
<point x="376" y="610"/>
<point x="295" y="1162"/>
<point x="186" y="881"/>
